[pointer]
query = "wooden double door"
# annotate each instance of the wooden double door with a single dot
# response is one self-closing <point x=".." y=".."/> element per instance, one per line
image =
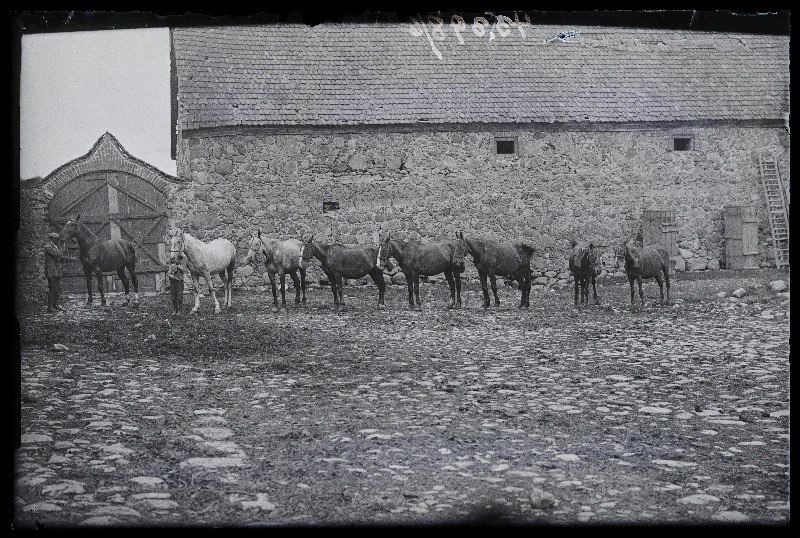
<point x="114" y="205"/>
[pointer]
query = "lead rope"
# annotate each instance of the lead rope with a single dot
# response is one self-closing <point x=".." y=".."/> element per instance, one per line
<point x="378" y="261"/>
<point x="302" y="249"/>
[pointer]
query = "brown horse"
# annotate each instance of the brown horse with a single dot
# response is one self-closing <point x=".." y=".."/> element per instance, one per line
<point x="97" y="256"/>
<point x="493" y="259"/>
<point x="651" y="261"/>
<point x="346" y="261"/>
<point x="280" y="257"/>
<point x="417" y="258"/>
<point x="585" y="265"/>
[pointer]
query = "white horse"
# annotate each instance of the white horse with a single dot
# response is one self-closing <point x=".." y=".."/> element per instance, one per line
<point x="280" y="257"/>
<point x="205" y="259"/>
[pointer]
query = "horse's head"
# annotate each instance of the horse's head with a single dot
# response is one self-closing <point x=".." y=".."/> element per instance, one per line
<point x="579" y="258"/>
<point x="71" y="229"/>
<point x="307" y="249"/>
<point x="176" y="246"/>
<point x="594" y="260"/>
<point x="629" y="255"/>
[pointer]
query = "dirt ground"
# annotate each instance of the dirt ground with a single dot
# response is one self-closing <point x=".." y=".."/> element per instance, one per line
<point x="552" y="415"/>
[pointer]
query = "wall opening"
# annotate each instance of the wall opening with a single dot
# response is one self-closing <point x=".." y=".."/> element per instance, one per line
<point x="505" y="146"/>
<point x="682" y="143"/>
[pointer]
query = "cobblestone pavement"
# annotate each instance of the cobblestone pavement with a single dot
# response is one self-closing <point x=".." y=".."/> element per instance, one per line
<point x="558" y="414"/>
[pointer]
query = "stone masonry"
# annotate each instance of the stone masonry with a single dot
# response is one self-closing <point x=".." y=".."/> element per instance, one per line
<point x="431" y="183"/>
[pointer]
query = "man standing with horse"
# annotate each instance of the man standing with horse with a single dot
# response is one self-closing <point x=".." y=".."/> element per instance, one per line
<point x="52" y="270"/>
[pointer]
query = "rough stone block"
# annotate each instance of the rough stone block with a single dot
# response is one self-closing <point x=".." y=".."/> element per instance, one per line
<point x="696" y="264"/>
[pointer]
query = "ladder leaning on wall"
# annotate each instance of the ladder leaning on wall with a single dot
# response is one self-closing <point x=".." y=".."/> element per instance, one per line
<point x="776" y="207"/>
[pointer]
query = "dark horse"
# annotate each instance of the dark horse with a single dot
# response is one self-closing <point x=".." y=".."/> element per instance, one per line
<point x="493" y="259"/>
<point x="97" y="256"/>
<point x="417" y="258"/>
<point x="651" y="261"/>
<point x="585" y="265"/>
<point x="346" y="261"/>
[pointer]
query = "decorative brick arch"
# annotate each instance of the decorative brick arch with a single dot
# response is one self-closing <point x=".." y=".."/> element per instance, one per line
<point x="118" y="196"/>
<point x="108" y="154"/>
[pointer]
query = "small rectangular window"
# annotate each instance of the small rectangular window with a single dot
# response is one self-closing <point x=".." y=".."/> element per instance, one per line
<point x="505" y="146"/>
<point x="330" y="206"/>
<point x="682" y="143"/>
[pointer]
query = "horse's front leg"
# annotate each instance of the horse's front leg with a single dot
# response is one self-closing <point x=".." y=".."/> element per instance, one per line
<point x="227" y="279"/>
<point x="124" y="279"/>
<point x="630" y="281"/>
<point x="660" y="287"/>
<point x="524" y="288"/>
<point x="297" y="286"/>
<point x="282" y="276"/>
<point x="100" y="288"/>
<point x="210" y="284"/>
<point x="457" y="277"/>
<point x="666" y="279"/>
<point x="340" y="289"/>
<point x="416" y="290"/>
<point x="485" y="288"/>
<point x="577" y="285"/>
<point x="332" y="280"/>
<point x="641" y="293"/>
<point x="493" y="280"/>
<point x="410" y="284"/>
<point x="377" y="278"/>
<point x="274" y="288"/>
<point x="132" y="271"/>
<point x="594" y="290"/>
<point x="303" y="283"/>
<point x="88" y="274"/>
<point x="196" y="286"/>
<point x="452" y="283"/>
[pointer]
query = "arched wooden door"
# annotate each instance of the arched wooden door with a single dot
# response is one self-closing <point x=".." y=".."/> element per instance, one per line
<point x="120" y="205"/>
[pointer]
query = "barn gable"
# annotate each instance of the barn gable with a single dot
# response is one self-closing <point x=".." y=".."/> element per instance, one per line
<point x="374" y="74"/>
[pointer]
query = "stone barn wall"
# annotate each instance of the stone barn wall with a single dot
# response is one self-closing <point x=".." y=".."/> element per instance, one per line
<point x="429" y="184"/>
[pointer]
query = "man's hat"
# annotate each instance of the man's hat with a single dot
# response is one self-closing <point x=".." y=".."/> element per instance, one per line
<point x="52" y="235"/>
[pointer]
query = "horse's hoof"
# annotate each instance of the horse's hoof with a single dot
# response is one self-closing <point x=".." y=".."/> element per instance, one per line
<point x="274" y="309"/>
<point x="193" y="312"/>
<point x="381" y="306"/>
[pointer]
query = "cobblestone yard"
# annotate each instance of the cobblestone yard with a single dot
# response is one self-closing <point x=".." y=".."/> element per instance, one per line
<point x="554" y="415"/>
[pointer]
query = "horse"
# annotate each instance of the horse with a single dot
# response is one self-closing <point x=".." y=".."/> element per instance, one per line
<point x="651" y="261"/>
<point x="417" y="258"/>
<point x="585" y="265"/>
<point x="205" y="259"/>
<point x="280" y="257"/>
<point x="346" y="261"/>
<point x="97" y="256"/>
<point x="495" y="259"/>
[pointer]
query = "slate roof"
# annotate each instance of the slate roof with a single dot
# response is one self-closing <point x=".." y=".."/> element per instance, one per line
<point x="350" y="74"/>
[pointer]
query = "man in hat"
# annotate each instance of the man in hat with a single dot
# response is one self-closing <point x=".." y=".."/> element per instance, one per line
<point x="52" y="270"/>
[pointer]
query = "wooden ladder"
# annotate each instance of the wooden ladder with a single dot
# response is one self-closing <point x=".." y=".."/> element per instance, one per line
<point x="776" y="207"/>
